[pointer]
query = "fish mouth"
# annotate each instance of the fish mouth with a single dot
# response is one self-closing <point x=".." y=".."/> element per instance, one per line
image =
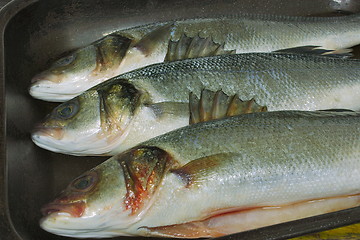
<point x="44" y="84"/>
<point x="45" y="77"/>
<point x="50" y="87"/>
<point x="75" y="209"/>
<point x="52" y="132"/>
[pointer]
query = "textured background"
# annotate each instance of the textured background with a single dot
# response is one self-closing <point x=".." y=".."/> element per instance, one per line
<point x="3" y="2"/>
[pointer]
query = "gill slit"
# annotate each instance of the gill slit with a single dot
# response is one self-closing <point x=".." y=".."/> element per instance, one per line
<point x="103" y="112"/>
<point x="100" y="59"/>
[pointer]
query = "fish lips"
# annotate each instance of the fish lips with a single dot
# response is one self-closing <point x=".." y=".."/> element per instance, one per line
<point x="50" y="138"/>
<point x="46" y="77"/>
<point x="53" y="88"/>
<point x="53" y="132"/>
<point x="74" y="209"/>
<point x="43" y="83"/>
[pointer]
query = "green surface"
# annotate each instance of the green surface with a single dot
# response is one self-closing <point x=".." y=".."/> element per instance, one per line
<point x="348" y="232"/>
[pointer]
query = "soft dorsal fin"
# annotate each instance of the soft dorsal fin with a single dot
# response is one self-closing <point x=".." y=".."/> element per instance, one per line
<point x="319" y="51"/>
<point x="216" y="105"/>
<point x="193" y="47"/>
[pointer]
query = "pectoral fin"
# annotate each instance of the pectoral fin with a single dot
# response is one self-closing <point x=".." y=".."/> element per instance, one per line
<point x="199" y="170"/>
<point x="164" y="109"/>
<point x="216" y="105"/>
<point x="318" y="50"/>
<point x="192" y="47"/>
<point x="152" y="40"/>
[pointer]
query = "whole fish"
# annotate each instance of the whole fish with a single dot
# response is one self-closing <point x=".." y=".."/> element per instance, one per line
<point x="136" y="106"/>
<point x="137" y="47"/>
<point x="218" y="177"/>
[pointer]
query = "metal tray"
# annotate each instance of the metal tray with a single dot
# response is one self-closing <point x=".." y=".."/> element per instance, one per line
<point x="35" y="32"/>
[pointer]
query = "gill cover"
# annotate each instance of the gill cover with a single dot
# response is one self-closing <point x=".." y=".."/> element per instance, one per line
<point x="99" y="117"/>
<point x="144" y="169"/>
<point x="119" y="102"/>
<point x="110" y="51"/>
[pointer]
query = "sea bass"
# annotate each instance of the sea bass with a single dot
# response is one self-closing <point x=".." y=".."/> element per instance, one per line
<point x="137" y="47"/>
<point x="218" y="177"/>
<point x="136" y="106"/>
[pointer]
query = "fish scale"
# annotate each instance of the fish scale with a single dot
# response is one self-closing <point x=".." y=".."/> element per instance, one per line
<point x="278" y="81"/>
<point x="295" y="169"/>
<point x="220" y="177"/>
<point x="160" y="101"/>
<point x="141" y="46"/>
<point x="266" y="32"/>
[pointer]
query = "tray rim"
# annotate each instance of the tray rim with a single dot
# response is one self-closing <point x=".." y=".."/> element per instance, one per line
<point x="8" y="9"/>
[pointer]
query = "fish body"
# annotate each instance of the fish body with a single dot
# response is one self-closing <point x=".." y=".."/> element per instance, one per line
<point x="218" y="177"/>
<point x="140" y="46"/>
<point x="136" y="106"/>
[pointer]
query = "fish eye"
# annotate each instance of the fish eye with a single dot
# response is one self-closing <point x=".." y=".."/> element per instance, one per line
<point x="64" y="61"/>
<point x="67" y="110"/>
<point x="85" y="183"/>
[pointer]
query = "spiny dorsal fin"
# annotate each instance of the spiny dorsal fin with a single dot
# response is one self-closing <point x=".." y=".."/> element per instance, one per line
<point x="193" y="47"/>
<point x="216" y="105"/>
<point x="319" y="51"/>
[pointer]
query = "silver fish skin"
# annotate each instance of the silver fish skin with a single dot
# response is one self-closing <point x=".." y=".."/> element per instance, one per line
<point x="218" y="177"/>
<point x="140" y="46"/>
<point x="154" y="100"/>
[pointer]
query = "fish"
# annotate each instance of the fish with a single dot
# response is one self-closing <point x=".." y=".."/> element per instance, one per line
<point x="136" y="106"/>
<point x="217" y="177"/>
<point x="133" y="48"/>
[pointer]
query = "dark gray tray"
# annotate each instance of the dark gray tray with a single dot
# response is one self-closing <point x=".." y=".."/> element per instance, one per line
<point x="35" y="32"/>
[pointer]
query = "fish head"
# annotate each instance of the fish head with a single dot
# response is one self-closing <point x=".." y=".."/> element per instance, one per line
<point x="82" y="69"/>
<point x="111" y="198"/>
<point x="91" y="124"/>
<point x="89" y="203"/>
